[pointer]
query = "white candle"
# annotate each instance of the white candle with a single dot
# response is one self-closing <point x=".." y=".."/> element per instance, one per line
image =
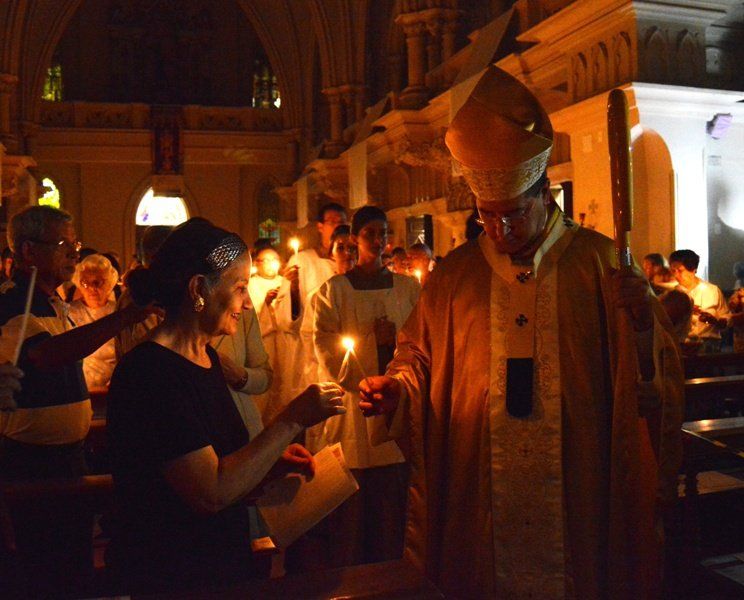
<point x="348" y="343"/>
<point x="26" y="312"/>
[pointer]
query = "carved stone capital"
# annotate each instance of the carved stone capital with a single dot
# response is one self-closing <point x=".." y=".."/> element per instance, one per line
<point x="459" y="195"/>
<point x="15" y="170"/>
<point x="332" y="94"/>
<point x="432" y="153"/>
<point x="412" y="24"/>
<point x="286" y="194"/>
<point x="335" y="188"/>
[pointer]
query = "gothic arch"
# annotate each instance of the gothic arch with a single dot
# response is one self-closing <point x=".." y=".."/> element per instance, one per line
<point x="130" y="212"/>
<point x="12" y="36"/>
<point x="33" y="74"/>
<point x="286" y="70"/>
<point x="285" y="64"/>
<point x="657" y="55"/>
<point x="328" y="69"/>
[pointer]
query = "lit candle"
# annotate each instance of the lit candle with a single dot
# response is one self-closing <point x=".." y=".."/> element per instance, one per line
<point x="294" y="243"/>
<point x="254" y="270"/>
<point x="417" y="273"/>
<point x="348" y="344"/>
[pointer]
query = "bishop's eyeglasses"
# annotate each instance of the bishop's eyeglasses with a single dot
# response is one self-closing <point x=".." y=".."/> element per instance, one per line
<point x="510" y="219"/>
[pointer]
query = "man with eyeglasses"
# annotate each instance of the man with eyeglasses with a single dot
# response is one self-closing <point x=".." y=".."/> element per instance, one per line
<point x="539" y="387"/>
<point x="43" y="437"/>
<point x="314" y="266"/>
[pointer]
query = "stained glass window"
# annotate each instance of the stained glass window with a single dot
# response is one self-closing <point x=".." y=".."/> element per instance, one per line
<point x="160" y="210"/>
<point x="53" y="84"/>
<point x="50" y="197"/>
<point x="269" y="229"/>
<point x="265" y="87"/>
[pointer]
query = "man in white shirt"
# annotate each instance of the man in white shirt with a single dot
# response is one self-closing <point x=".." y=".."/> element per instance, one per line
<point x="315" y="264"/>
<point x="711" y="314"/>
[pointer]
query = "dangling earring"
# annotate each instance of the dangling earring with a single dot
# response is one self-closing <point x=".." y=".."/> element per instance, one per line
<point x="199" y="304"/>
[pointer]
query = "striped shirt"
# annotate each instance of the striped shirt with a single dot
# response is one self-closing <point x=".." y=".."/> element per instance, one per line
<point x="53" y="404"/>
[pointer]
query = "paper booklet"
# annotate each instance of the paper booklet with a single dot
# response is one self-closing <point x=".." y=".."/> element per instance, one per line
<point x="292" y="505"/>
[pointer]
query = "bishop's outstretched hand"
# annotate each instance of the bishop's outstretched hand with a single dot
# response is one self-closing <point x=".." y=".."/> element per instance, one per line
<point x="380" y="395"/>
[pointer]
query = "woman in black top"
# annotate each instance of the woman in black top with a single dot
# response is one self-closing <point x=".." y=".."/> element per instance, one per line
<point x="182" y="462"/>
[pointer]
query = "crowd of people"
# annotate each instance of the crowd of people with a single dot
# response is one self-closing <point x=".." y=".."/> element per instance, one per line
<point x="519" y="404"/>
<point x="699" y="310"/>
<point x="262" y="341"/>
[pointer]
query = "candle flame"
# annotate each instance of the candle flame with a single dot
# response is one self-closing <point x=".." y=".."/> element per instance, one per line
<point x="348" y="344"/>
<point x="254" y="269"/>
<point x="294" y="243"/>
<point x="418" y="274"/>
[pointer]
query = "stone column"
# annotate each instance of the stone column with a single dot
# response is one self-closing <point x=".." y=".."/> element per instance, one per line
<point x="434" y="41"/>
<point x="8" y="85"/>
<point x="450" y="26"/>
<point x="415" y="94"/>
<point x="29" y="132"/>
<point x="336" y="143"/>
<point x="360" y="102"/>
<point x="348" y="100"/>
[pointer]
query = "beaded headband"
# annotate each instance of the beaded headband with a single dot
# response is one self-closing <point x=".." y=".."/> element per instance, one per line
<point x="225" y="253"/>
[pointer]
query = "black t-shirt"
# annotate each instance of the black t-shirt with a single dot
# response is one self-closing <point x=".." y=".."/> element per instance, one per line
<point x="162" y="406"/>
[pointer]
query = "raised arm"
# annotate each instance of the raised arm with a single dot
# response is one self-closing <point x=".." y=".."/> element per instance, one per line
<point x="209" y="484"/>
<point x="76" y="344"/>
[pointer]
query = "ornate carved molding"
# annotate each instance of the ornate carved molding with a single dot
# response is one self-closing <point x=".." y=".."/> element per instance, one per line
<point x="602" y="66"/>
<point x="459" y="195"/>
<point x="432" y="154"/>
<point x="330" y="177"/>
<point x="14" y="171"/>
<point x="137" y="116"/>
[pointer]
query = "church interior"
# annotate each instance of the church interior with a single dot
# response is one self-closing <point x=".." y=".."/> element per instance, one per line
<point x="254" y="113"/>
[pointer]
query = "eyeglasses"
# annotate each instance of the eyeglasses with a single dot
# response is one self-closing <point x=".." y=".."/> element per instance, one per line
<point x="511" y="219"/>
<point x="61" y="244"/>
<point x="95" y="284"/>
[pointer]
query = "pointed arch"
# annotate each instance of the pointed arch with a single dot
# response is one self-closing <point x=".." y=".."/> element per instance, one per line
<point x="130" y="212"/>
<point x="325" y="44"/>
<point x="282" y="63"/>
<point x="35" y="73"/>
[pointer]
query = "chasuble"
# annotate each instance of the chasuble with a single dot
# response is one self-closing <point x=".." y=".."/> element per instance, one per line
<point x="560" y="503"/>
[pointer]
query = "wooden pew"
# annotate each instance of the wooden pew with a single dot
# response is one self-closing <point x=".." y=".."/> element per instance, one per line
<point x="713" y="487"/>
<point x="712" y="365"/>
<point x="91" y="495"/>
<point x="393" y="580"/>
<point x="706" y="397"/>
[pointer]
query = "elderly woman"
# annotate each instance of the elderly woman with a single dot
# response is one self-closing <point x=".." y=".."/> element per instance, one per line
<point x="95" y="278"/>
<point x="182" y="460"/>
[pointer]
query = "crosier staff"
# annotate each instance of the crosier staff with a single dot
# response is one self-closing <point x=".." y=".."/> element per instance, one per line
<point x="621" y="170"/>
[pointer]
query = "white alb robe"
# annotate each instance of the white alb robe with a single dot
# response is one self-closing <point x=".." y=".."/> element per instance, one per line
<point x="280" y="340"/>
<point x="340" y="310"/>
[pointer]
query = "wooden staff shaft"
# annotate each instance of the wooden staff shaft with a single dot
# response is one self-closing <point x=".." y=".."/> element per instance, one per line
<point x="621" y="170"/>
